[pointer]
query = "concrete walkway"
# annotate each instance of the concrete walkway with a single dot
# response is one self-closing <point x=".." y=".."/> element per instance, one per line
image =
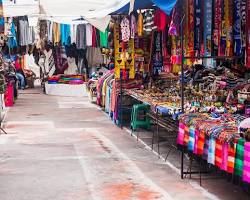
<point x="63" y="148"/>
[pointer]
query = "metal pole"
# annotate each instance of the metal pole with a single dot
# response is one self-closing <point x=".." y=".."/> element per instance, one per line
<point x="182" y="86"/>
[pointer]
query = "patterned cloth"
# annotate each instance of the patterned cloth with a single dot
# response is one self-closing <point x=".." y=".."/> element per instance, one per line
<point x="246" y="168"/>
<point x="125" y="29"/>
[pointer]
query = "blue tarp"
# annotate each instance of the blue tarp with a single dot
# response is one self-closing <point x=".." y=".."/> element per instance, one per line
<point x="165" y="5"/>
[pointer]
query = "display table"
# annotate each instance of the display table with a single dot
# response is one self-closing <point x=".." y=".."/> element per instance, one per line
<point x="66" y="90"/>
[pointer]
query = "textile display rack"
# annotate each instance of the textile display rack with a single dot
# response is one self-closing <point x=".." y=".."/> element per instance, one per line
<point x="183" y="150"/>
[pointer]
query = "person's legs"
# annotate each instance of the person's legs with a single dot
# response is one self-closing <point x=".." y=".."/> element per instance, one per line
<point x="20" y="77"/>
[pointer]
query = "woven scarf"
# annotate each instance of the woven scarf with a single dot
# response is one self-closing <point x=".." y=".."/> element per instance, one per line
<point x="246" y="168"/>
<point x="237" y="27"/>
<point x="211" y="151"/>
<point x="191" y="26"/>
<point x="186" y="135"/>
<point x="248" y="34"/>
<point x="223" y="35"/>
<point x="243" y="26"/>
<point x="224" y="157"/>
<point x="231" y="158"/>
<point x="191" y="139"/>
<point x="201" y="143"/>
<point x="218" y="153"/>
<point x="196" y="139"/>
<point x="208" y="6"/>
<point x="216" y="26"/>
<point x="197" y="24"/>
<point x="180" y="138"/>
<point x="239" y="157"/>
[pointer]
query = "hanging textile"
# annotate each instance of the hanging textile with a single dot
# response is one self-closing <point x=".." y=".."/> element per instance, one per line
<point x="239" y="157"/>
<point x="208" y="6"/>
<point x="248" y="34"/>
<point x="56" y="33"/>
<point x="246" y="169"/>
<point x="140" y="24"/>
<point x="131" y="58"/>
<point x="229" y="27"/>
<point x="12" y="40"/>
<point x="148" y="21"/>
<point x="65" y="34"/>
<point x="81" y="36"/>
<point x="190" y="27"/>
<point x="197" y="24"/>
<point x="160" y="20"/>
<point x="119" y="61"/>
<point x="157" y="60"/>
<point x="73" y="33"/>
<point x="89" y="35"/>
<point x="216" y="27"/>
<point x="125" y="29"/>
<point x="237" y="27"/>
<point x="133" y="26"/>
<point x="94" y="37"/>
<point x="223" y="33"/>
<point x="23" y="30"/>
<point x="243" y="28"/>
<point x="104" y="38"/>
<point x="50" y="31"/>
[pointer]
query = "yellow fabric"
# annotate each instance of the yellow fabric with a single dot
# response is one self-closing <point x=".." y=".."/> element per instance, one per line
<point x="56" y="32"/>
<point x="118" y="55"/>
<point x="132" y="54"/>
<point x="140" y="24"/>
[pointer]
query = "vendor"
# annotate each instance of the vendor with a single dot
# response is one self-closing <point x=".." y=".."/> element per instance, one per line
<point x="20" y="74"/>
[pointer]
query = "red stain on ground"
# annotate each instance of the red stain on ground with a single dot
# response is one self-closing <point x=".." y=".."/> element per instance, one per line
<point x="146" y="194"/>
<point x="130" y="191"/>
<point x="120" y="191"/>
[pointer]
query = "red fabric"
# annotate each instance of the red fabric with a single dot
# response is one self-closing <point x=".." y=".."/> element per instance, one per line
<point x="161" y="20"/>
<point x="94" y="43"/>
<point x="248" y="34"/>
<point x="218" y="153"/>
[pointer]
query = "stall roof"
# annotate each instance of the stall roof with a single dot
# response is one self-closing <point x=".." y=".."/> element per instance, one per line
<point x="165" y="5"/>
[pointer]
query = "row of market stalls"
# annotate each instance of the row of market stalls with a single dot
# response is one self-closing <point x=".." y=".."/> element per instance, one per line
<point x="177" y="65"/>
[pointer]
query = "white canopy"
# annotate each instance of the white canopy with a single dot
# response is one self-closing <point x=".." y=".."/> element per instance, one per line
<point x="66" y="11"/>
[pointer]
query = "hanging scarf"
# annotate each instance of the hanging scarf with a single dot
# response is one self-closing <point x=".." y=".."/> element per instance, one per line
<point x="211" y="151"/>
<point x="157" y="60"/>
<point x="239" y="157"/>
<point x="248" y="34"/>
<point x="131" y="59"/>
<point x="197" y="24"/>
<point x="218" y="153"/>
<point x="223" y="34"/>
<point x="228" y="26"/>
<point x="216" y="26"/>
<point x="246" y="169"/>
<point x="243" y="27"/>
<point x="191" y="139"/>
<point x="231" y="158"/>
<point x="237" y="27"/>
<point x="224" y="156"/>
<point x="208" y="6"/>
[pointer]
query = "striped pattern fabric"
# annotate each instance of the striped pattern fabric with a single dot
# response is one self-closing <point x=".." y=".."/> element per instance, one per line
<point x="186" y="135"/>
<point x="231" y="158"/>
<point x="239" y="157"/>
<point x="211" y="151"/>
<point x="180" y="138"/>
<point x="196" y="139"/>
<point x="201" y="142"/>
<point x="246" y="168"/>
<point x="218" y="153"/>
<point x="191" y="139"/>
<point x="224" y="157"/>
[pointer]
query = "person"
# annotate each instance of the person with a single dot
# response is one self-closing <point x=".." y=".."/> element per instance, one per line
<point x="19" y="74"/>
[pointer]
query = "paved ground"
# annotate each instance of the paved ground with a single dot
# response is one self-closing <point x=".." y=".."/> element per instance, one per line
<point x="62" y="148"/>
